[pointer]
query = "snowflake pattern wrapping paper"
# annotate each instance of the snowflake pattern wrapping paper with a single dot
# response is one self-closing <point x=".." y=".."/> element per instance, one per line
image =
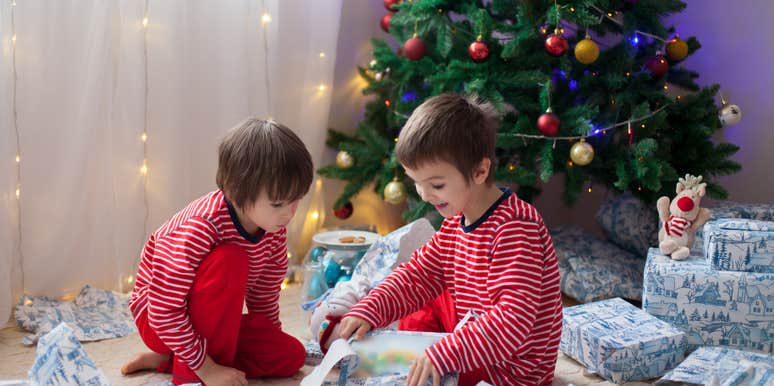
<point x="94" y="315"/>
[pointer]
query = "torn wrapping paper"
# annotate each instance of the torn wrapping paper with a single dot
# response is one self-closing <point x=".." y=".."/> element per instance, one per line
<point x="94" y="315"/>
<point x="718" y="366"/>
<point x="713" y="308"/>
<point x="382" y="358"/>
<point x="620" y="342"/>
<point x="740" y="245"/>
<point x="61" y="360"/>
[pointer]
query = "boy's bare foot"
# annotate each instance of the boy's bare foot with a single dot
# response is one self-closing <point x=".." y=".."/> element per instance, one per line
<point x="145" y="361"/>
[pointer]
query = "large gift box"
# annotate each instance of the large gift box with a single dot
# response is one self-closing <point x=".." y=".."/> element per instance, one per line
<point x="722" y="366"/>
<point x="619" y="341"/>
<point x="740" y="245"/>
<point x="725" y="308"/>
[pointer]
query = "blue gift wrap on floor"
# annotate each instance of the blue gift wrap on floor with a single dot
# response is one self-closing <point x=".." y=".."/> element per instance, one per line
<point x="722" y="366"/>
<point x="740" y="245"/>
<point x="713" y="308"/>
<point x="620" y="342"/>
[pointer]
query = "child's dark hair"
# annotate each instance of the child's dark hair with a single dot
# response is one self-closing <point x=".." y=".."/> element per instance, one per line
<point x="263" y="156"/>
<point x="452" y="128"/>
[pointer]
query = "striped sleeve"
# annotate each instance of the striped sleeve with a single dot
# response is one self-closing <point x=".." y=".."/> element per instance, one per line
<point x="514" y="285"/>
<point x="417" y="281"/>
<point x="263" y="296"/>
<point x="176" y="257"/>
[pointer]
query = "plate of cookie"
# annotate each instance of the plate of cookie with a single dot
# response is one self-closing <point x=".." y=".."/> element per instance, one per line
<point x="345" y="239"/>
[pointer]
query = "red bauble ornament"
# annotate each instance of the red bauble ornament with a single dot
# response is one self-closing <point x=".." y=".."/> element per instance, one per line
<point x="548" y="123"/>
<point x="658" y="66"/>
<point x="556" y="44"/>
<point x="478" y="51"/>
<point x="389" y="3"/>
<point x="344" y="212"/>
<point x="385" y="23"/>
<point x="414" y="48"/>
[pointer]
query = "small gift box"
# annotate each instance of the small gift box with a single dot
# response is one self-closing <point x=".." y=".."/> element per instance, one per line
<point x="740" y="245"/>
<point x="620" y="342"/>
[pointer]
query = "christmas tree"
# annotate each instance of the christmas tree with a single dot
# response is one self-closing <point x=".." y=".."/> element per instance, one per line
<point x="591" y="89"/>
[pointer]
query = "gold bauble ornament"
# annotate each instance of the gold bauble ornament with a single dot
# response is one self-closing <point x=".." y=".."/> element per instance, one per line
<point x="395" y="192"/>
<point x="581" y="153"/>
<point x="676" y="49"/>
<point x="344" y="160"/>
<point x="586" y="51"/>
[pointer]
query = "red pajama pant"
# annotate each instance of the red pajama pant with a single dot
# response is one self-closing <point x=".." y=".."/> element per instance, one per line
<point x="439" y="315"/>
<point x="250" y="343"/>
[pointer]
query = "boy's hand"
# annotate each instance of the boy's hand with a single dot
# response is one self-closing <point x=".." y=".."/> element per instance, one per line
<point x="352" y="324"/>
<point x="421" y="370"/>
<point x="213" y="374"/>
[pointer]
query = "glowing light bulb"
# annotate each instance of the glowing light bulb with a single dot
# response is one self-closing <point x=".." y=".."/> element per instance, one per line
<point x="144" y="168"/>
<point x="18" y="159"/>
<point x="13" y="39"/>
<point x="315" y="215"/>
<point x="144" y="137"/>
<point x="145" y="22"/>
<point x="321" y="87"/>
<point x="265" y="18"/>
<point x="18" y="192"/>
<point x="130" y="279"/>
<point x="322" y="55"/>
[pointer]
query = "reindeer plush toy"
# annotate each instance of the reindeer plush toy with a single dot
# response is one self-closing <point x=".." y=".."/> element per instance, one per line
<point x="682" y="217"/>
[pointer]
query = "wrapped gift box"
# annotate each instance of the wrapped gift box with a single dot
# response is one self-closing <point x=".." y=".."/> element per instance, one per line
<point x="620" y="342"/>
<point x="740" y="245"/>
<point x="714" y="308"/>
<point x="730" y="209"/>
<point x="722" y="366"/>
<point x="592" y="269"/>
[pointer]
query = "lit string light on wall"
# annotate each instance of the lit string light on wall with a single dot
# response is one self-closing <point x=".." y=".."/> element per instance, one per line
<point x="18" y="147"/>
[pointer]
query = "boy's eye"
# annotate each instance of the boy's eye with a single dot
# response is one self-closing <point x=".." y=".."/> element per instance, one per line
<point x="438" y="186"/>
<point x="277" y="204"/>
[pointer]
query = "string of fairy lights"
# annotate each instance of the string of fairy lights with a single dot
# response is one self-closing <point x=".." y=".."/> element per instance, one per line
<point x="18" y="145"/>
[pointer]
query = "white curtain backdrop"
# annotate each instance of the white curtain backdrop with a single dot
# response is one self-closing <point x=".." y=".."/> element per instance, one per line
<point x="83" y="98"/>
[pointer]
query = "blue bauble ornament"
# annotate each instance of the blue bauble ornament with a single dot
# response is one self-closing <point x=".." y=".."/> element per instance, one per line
<point x="316" y="287"/>
<point x="332" y="273"/>
<point x="316" y="253"/>
<point x="344" y="278"/>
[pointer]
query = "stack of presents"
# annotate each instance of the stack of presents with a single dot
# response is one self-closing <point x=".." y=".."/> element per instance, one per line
<point x="705" y="319"/>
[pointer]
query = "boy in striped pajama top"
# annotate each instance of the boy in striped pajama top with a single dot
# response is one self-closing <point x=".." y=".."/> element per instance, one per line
<point x="223" y="249"/>
<point x="492" y="258"/>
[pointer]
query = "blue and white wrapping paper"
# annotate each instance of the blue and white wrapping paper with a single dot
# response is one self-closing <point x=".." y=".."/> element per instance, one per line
<point x="722" y="366"/>
<point x="740" y="245"/>
<point x="94" y="315"/>
<point x="730" y="209"/>
<point x="713" y="308"/>
<point x="592" y="269"/>
<point x="620" y="342"/>
<point x="61" y="360"/>
<point x="629" y="223"/>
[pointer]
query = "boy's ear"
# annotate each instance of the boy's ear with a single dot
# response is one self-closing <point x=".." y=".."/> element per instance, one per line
<point x="481" y="171"/>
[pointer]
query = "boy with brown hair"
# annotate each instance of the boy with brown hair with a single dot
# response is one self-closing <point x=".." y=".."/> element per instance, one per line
<point x="490" y="268"/>
<point x="223" y="249"/>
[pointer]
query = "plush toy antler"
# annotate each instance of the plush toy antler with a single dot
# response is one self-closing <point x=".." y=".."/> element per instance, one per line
<point x="682" y="217"/>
